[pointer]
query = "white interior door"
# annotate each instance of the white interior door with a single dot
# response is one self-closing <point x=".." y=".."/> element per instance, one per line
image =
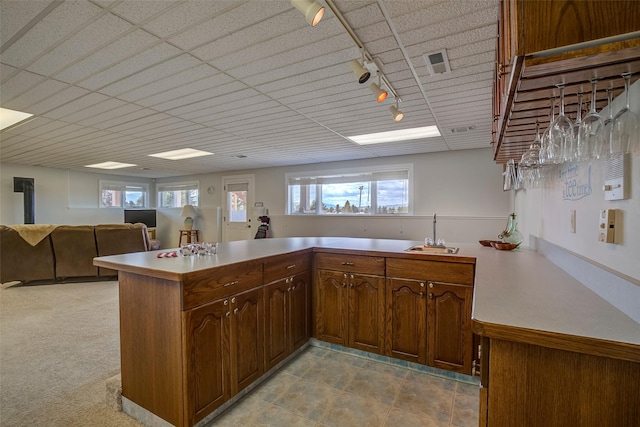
<point x="237" y="213"/>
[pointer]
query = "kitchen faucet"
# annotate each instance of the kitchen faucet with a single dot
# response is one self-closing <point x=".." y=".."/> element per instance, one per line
<point x="434" y="229"/>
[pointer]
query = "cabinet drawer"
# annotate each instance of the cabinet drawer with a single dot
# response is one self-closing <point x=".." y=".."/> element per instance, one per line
<point x="438" y="271"/>
<point x="221" y="282"/>
<point x="351" y="263"/>
<point x="279" y="267"/>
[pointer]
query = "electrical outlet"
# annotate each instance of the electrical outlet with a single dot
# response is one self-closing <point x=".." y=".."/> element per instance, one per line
<point x="572" y="220"/>
<point x="607" y="230"/>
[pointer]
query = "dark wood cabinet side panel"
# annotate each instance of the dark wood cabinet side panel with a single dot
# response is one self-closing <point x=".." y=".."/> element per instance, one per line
<point x="531" y="386"/>
<point x="150" y="319"/>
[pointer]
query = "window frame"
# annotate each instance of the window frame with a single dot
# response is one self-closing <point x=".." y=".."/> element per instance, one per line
<point x="363" y="172"/>
<point x="123" y="186"/>
<point x="187" y="185"/>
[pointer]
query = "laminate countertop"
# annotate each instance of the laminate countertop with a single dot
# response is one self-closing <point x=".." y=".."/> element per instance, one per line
<point x="519" y="295"/>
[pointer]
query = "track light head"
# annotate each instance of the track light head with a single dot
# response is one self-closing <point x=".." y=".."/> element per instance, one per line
<point x="397" y="114"/>
<point x="312" y="10"/>
<point x="379" y="93"/>
<point x="361" y="72"/>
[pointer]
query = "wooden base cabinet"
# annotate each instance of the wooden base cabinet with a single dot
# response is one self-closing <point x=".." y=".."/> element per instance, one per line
<point x="450" y="336"/>
<point x="287" y="298"/>
<point x="224" y="340"/>
<point x="287" y="317"/>
<point x="429" y="313"/>
<point x="348" y="304"/>
<point x="406" y="320"/>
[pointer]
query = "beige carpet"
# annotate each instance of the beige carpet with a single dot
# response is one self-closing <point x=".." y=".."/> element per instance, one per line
<point x="58" y="345"/>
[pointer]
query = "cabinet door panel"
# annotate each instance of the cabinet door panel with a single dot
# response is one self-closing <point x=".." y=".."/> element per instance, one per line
<point x="450" y="337"/>
<point x="330" y="306"/>
<point x="276" y="322"/>
<point x="207" y="345"/>
<point x="246" y="338"/>
<point x="299" y="310"/>
<point x="406" y="313"/>
<point x="366" y="313"/>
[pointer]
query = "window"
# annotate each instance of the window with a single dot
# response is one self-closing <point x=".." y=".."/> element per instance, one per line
<point x="177" y="194"/>
<point x="357" y="192"/>
<point x="115" y="194"/>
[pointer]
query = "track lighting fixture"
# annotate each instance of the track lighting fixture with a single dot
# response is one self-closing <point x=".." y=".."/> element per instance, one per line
<point x="397" y="114"/>
<point x="312" y="10"/>
<point x="361" y="72"/>
<point x="380" y="93"/>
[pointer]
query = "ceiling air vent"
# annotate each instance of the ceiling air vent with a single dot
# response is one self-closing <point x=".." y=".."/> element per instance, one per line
<point x="462" y="129"/>
<point x="437" y="62"/>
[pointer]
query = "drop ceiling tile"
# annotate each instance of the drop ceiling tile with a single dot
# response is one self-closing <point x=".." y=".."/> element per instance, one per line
<point x="137" y="11"/>
<point x="59" y="98"/>
<point x="17" y="84"/>
<point x="131" y="66"/>
<point x="156" y="72"/>
<point x="182" y="82"/>
<point x="115" y="52"/>
<point x="233" y="20"/>
<point x="187" y="14"/>
<point x="76" y="105"/>
<point x="14" y="15"/>
<point x="123" y="111"/>
<point x="97" y="34"/>
<point x="98" y="108"/>
<point x="48" y="32"/>
<point x="210" y="91"/>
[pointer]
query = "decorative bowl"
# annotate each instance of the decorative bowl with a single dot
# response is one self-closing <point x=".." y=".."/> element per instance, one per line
<point x="487" y="242"/>
<point x="501" y="246"/>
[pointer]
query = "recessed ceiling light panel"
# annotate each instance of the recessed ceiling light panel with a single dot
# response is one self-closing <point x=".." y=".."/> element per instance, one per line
<point x="110" y="165"/>
<point x="396" y="135"/>
<point x="11" y="117"/>
<point x="184" y="153"/>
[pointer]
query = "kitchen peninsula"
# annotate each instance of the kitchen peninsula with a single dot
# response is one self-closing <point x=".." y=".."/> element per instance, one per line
<point x="193" y="328"/>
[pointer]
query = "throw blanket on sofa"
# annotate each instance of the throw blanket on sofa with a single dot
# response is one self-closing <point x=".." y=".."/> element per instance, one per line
<point x="33" y="233"/>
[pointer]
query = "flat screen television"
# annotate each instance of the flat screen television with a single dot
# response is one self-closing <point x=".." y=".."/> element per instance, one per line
<point x="145" y="216"/>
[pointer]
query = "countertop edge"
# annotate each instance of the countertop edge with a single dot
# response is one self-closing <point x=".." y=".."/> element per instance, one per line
<point x="559" y="341"/>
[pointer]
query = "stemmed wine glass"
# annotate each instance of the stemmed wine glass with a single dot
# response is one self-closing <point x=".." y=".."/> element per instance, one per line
<point x="576" y="127"/>
<point x="591" y="131"/>
<point x="561" y="135"/>
<point x="623" y="127"/>
<point x="607" y="122"/>
<point x="545" y="159"/>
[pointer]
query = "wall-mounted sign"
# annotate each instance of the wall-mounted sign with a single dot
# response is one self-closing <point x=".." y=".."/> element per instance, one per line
<point x="576" y="181"/>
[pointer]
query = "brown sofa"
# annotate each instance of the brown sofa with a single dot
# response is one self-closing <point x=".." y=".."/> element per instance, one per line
<point x="67" y="252"/>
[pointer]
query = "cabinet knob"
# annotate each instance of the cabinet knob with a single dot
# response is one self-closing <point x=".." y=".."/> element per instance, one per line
<point x="289" y="267"/>
<point x="351" y="285"/>
<point x="226" y="302"/>
<point x="430" y="296"/>
<point x="233" y="300"/>
<point x="422" y="284"/>
<point x="344" y="275"/>
<point x="348" y="263"/>
<point x="421" y="294"/>
<point x="351" y="277"/>
<point x="430" y="285"/>
<point x="228" y="313"/>
<point x="289" y="289"/>
<point x="235" y="310"/>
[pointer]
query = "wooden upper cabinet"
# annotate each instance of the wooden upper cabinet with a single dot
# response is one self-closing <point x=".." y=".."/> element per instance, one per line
<point x="542" y="44"/>
<point x="544" y="25"/>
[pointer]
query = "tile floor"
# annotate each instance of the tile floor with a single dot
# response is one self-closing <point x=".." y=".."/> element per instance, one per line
<point x="326" y="388"/>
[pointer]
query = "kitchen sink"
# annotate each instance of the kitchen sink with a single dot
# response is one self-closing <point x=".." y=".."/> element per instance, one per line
<point x="433" y="249"/>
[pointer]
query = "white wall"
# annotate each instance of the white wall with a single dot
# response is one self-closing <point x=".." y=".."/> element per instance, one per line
<point x="464" y="188"/>
<point x="544" y="212"/>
